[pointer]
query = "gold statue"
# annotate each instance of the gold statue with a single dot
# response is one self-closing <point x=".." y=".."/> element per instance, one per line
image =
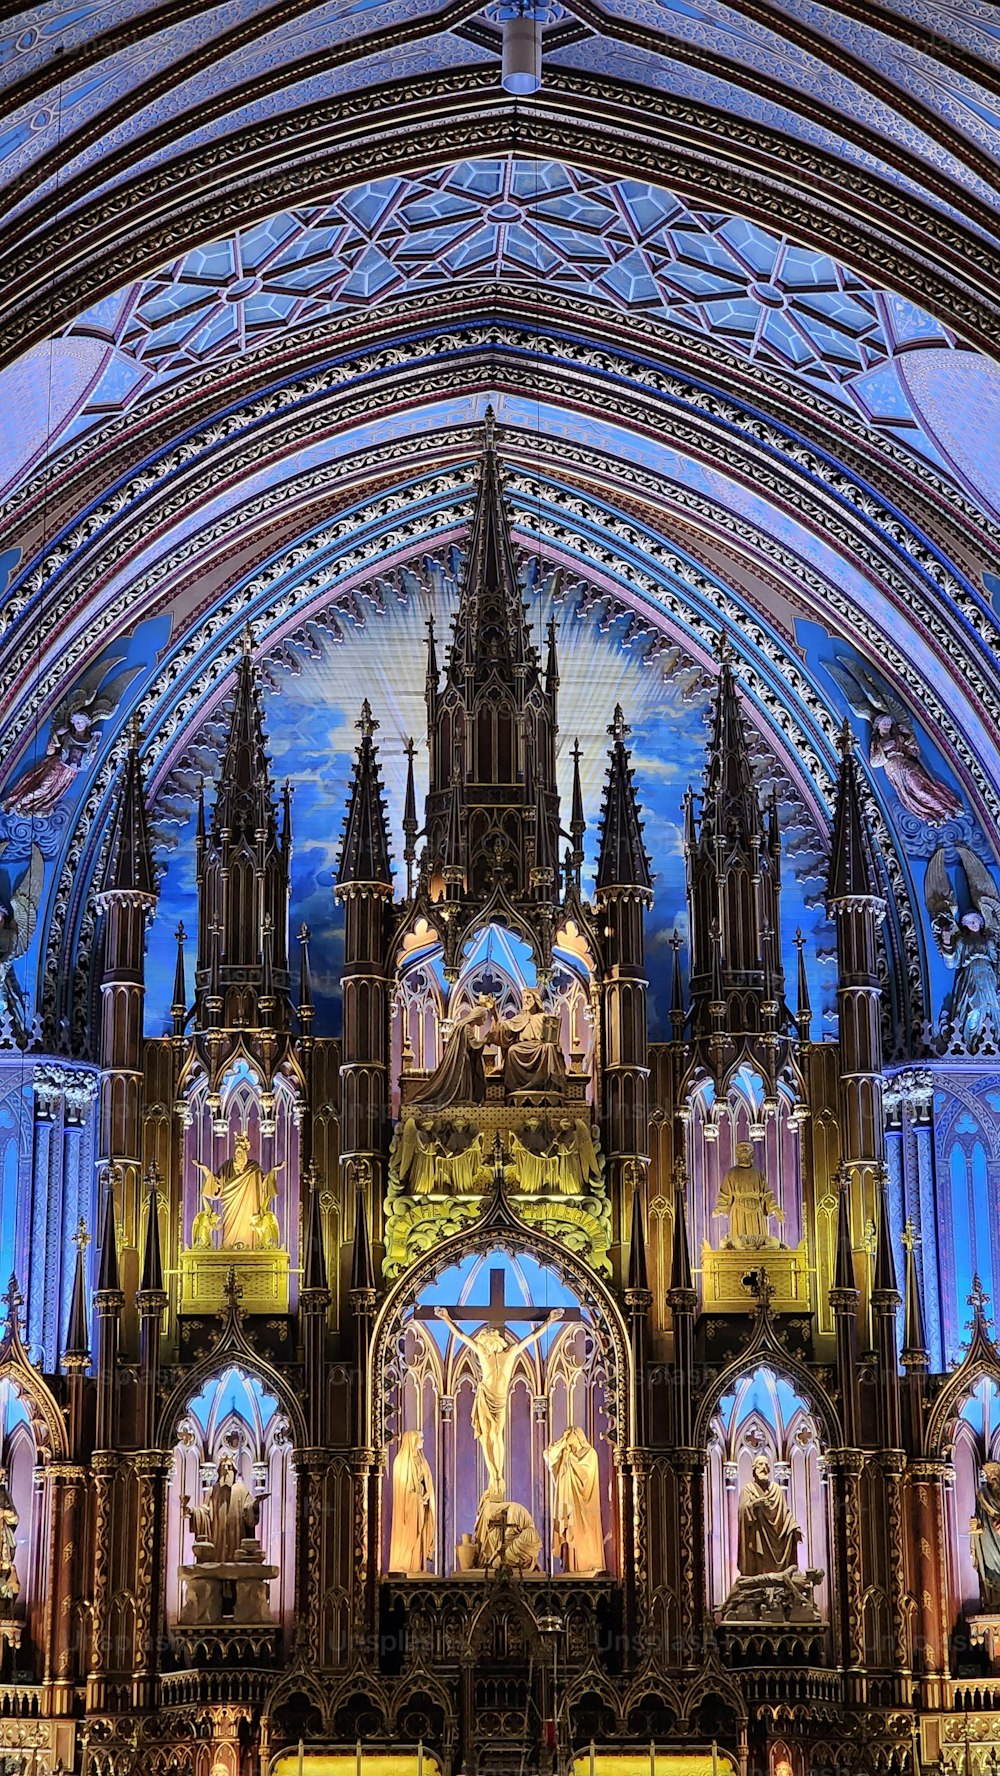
<point x="489" y="1407"/>
<point x="577" y="1530"/>
<point x="411" y="1543"/>
<point x="746" y="1197"/>
<point x="10" y="1583"/>
<point x="245" y="1193"/>
<point x="204" y="1225"/>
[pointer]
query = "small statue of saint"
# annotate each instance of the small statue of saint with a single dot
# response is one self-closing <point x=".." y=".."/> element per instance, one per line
<point x="577" y="1530"/>
<point x="10" y="1584"/>
<point x="411" y="1542"/>
<point x="769" y="1536"/>
<point x="985" y="1539"/>
<point x="460" y="1077"/>
<point x="496" y="1360"/>
<point x="227" y="1516"/>
<point x="245" y="1194"/>
<point x="505" y="1533"/>
<point x="534" y="1068"/>
<point x="746" y="1197"/>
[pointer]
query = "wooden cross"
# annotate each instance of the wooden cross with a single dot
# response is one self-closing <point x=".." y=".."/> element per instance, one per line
<point x="498" y="1313"/>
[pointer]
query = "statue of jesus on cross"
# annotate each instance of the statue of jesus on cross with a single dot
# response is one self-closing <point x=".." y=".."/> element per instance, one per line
<point x="497" y="1360"/>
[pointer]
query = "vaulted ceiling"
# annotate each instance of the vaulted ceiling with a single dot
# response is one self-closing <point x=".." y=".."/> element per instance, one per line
<point x="731" y="283"/>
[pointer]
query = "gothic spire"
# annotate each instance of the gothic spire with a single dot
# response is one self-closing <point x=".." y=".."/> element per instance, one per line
<point x="178" y="1008"/>
<point x="731" y="806"/>
<point x="843" y="1276"/>
<point x="491" y="634"/>
<point x="129" y="867"/>
<point x="245" y="796"/>
<point x="314" y="1274"/>
<point x="108" y="1282"/>
<point x="803" y="1010"/>
<point x="577" y="818"/>
<point x="622" y="862"/>
<point x="77" y="1350"/>
<point x="151" y="1282"/>
<point x="914" y="1335"/>
<point x="884" y="1279"/>
<point x="362" y="1268"/>
<point x="851" y="874"/>
<point x="364" y="849"/>
<point x="411" y="825"/>
<point x="305" y="979"/>
<point x="638" y="1274"/>
<point x="680" y="1256"/>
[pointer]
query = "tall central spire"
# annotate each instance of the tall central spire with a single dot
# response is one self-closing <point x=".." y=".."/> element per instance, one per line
<point x="491" y="634"/>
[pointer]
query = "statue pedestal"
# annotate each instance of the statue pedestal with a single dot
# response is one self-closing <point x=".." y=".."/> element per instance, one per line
<point x="263" y="1276"/>
<point x="226" y="1591"/>
<point x="722" y="1274"/>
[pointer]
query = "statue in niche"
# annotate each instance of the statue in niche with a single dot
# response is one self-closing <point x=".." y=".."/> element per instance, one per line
<point x="226" y="1518"/>
<point x="577" y="1530"/>
<point x="10" y="1584"/>
<point x="505" y="1533"/>
<point x="245" y="1194"/>
<point x="496" y="1360"/>
<point x="985" y="1539"/>
<point x="746" y="1197"/>
<point x="769" y="1536"/>
<point x="411" y="1542"/>
<point x="969" y="943"/>
<point x="460" y="1077"/>
<point x="534" y="1069"/>
<point x="18" y="916"/>
<point x="562" y="1160"/>
<point x="893" y="746"/>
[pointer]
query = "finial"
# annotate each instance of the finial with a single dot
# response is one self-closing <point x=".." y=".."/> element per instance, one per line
<point x="153" y="1176"/>
<point x="722" y="647"/>
<point x="845" y="739"/>
<point x="619" y="727"/>
<point x="81" y="1238"/>
<point x="489" y="424"/>
<point x="575" y="752"/>
<point x="910" y="1236"/>
<point x="135" y="730"/>
<point x="977" y="1298"/>
<point x="232" y="1290"/>
<point x="409" y="749"/>
<point x="760" y="1287"/>
<point x="367" y="724"/>
<point x="246" y="641"/>
<point x="13" y="1300"/>
<point x="180" y="934"/>
<point x="304" y="933"/>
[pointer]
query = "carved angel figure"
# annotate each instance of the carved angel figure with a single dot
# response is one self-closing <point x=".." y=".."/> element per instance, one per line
<point x="18" y="915"/>
<point x="969" y="943"/>
<point x="73" y="739"/>
<point x="893" y="745"/>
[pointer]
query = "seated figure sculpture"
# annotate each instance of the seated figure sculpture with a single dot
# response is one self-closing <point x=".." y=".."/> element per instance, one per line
<point x="534" y="1069"/>
<point x="227" y="1580"/>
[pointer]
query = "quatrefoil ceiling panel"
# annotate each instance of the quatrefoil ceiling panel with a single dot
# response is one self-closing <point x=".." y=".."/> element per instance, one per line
<point x="248" y="370"/>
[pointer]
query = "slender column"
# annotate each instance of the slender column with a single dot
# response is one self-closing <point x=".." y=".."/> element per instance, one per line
<point x="104" y="1467"/>
<point x="844" y="1471"/>
<point x="68" y="1483"/>
<point x="926" y="1481"/>
<point x="151" y="1467"/>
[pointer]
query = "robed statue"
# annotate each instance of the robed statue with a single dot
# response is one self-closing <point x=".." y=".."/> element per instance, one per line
<point x="985" y="1538"/>
<point x="496" y="1359"/>
<point x="226" y="1516"/>
<point x="245" y="1195"/>
<point x="534" y="1068"/>
<point x="411" y="1543"/>
<point x="460" y="1077"/>
<point x="578" y="1533"/>
<point x="769" y="1536"/>
<point x="10" y="1584"/>
<point x="748" y="1200"/>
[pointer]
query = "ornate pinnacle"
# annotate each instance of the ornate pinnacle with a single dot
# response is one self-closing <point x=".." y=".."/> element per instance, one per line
<point x="13" y="1301"/>
<point x="910" y="1236"/>
<point x="246" y="640"/>
<point x="81" y="1238"/>
<point x="845" y="739"/>
<point x="489" y="425"/>
<point x="135" y="729"/>
<point x="722" y="647"/>
<point x="367" y="723"/>
<point x="232" y="1290"/>
<point x="977" y="1299"/>
<point x="760" y="1286"/>
<point x="619" y="728"/>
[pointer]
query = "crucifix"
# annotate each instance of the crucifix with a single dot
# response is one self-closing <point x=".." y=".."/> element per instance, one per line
<point x="496" y="1358"/>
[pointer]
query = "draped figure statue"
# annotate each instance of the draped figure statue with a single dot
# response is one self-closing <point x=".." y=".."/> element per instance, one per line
<point x="459" y="1077"/>
<point x="748" y="1200"/>
<point x="226" y="1516"/>
<point x="769" y="1536"/>
<point x="10" y="1583"/>
<point x="411" y="1541"/>
<point x="245" y="1194"/>
<point x="534" y="1068"/>
<point x="578" y="1532"/>
<point x="985" y="1538"/>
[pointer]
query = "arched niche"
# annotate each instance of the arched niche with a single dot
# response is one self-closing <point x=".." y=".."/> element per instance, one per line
<point x="428" y="1381"/>
<point x="719" y="1121"/>
<point x="765" y="1413"/>
<point x="498" y="963"/>
<point x="975" y="1441"/>
<point x="233" y="1412"/>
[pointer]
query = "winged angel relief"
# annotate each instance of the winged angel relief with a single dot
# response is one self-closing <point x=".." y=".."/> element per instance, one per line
<point x="893" y="745"/>
<point x="18" y="916"/>
<point x="73" y="739"/>
<point x="969" y="942"/>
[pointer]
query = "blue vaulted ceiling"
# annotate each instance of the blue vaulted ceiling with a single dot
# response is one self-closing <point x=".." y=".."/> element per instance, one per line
<point x="253" y="331"/>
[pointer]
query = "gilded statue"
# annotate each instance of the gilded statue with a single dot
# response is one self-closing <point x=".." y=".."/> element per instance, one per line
<point x="10" y="1583"/>
<point x="226" y="1516"/>
<point x="577" y="1529"/>
<point x="505" y="1533"/>
<point x="442" y="1156"/>
<point x="411" y="1542"/>
<point x="245" y="1194"/>
<point x="746" y="1197"/>
<point x="561" y="1160"/>
<point x="769" y="1536"/>
<point x="496" y="1360"/>
<point x="985" y="1537"/>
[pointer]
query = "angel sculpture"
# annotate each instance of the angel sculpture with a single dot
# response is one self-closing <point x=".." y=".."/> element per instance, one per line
<point x="73" y="739"/>
<point x="969" y="943"/>
<point x="18" y="916"/>
<point x="893" y="745"/>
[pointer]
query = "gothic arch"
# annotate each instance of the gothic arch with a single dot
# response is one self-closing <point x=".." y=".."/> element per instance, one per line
<point x="232" y="1351"/>
<point x="499" y="1227"/>
<point x="981" y="1364"/>
<point x="764" y="1352"/>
